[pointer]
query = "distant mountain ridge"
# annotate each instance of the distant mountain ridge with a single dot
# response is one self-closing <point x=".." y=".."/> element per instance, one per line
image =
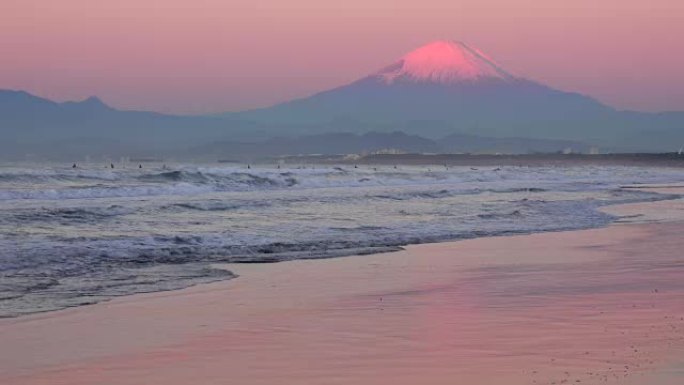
<point x="452" y="83"/>
<point x="75" y="129"/>
<point x="27" y="119"/>
<point x="441" y="89"/>
<point x="451" y="87"/>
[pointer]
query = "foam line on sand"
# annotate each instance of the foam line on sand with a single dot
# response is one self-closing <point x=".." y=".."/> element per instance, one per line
<point x="591" y="306"/>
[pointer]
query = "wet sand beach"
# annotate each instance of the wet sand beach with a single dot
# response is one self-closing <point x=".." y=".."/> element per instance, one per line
<point x="592" y="306"/>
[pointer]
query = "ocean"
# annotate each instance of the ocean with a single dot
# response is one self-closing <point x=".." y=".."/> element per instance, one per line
<point x="71" y="237"/>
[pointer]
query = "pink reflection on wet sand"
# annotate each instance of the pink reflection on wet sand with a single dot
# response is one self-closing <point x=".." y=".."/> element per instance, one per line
<point x="596" y="306"/>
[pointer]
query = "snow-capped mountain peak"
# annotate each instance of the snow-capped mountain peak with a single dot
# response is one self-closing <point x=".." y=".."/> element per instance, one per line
<point x="444" y="62"/>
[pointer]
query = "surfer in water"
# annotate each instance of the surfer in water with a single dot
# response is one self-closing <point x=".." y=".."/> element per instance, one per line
<point x="111" y="165"/>
<point x="74" y="166"/>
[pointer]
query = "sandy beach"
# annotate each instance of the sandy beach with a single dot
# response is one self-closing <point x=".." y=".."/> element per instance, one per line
<point x="592" y="306"/>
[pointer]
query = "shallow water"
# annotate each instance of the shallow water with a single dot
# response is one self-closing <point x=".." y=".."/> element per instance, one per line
<point x="76" y="236"/>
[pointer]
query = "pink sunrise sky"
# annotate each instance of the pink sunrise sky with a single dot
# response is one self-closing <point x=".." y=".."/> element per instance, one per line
<point x="199" y="56"/>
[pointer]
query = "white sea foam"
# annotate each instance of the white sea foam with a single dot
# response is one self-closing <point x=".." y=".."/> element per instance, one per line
<point x="69" y="237"/>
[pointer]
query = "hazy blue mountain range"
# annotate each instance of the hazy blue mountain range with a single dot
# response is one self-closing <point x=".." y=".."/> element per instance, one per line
<point x="446" y="87"/>
<point x="27" y="118"/>
<point x="447" y="95"/>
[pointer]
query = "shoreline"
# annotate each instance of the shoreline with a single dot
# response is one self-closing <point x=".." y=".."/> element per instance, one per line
<point x="670" y="160"/>
<point x="664" y="192"/>
<point x="420" y="310"/>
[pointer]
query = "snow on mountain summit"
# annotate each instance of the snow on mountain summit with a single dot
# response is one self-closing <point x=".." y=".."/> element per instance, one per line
<point x="444" y="62"/>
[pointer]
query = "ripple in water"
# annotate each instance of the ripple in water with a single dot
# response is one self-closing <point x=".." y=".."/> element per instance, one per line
<point x="74" y="237"/>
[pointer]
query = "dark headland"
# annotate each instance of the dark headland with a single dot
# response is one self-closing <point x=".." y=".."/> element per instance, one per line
<point x="474" y="160"/>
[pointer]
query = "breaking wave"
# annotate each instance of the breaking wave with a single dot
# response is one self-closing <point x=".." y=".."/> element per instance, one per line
<point x="70" y="237"/>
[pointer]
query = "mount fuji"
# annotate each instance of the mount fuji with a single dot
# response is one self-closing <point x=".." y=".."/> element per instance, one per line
<point x="440" y="88"/>
<point x="445" y="92"/>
